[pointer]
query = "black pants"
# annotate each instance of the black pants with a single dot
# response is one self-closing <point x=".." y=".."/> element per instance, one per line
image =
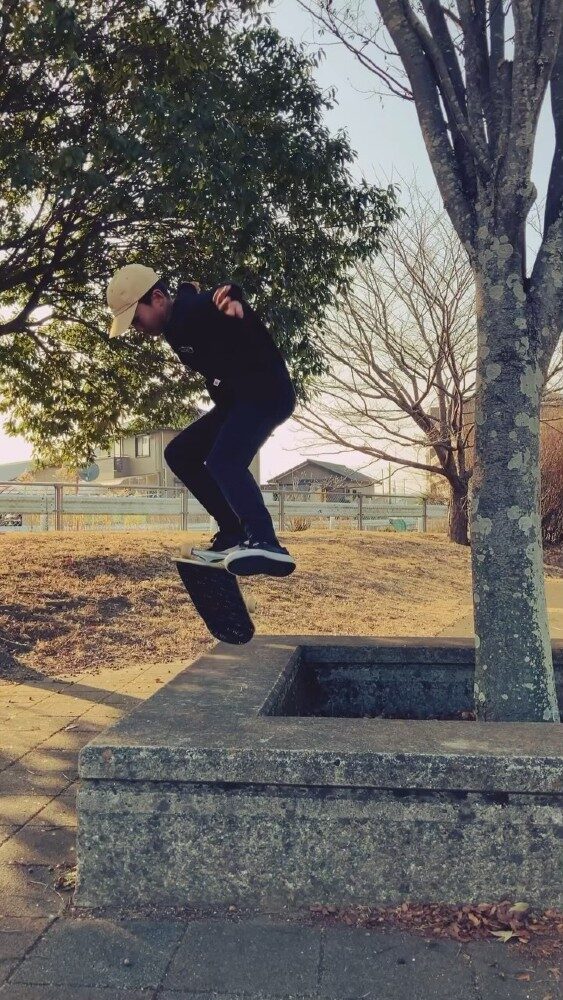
<point x="212" y="458"/>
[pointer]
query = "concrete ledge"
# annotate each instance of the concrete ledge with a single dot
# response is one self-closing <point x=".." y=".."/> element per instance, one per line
<point x="213" y="723"/>
<point x="206" y="794"/>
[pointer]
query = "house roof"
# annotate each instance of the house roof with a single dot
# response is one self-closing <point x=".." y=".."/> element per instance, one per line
<point x="339" y="470"/>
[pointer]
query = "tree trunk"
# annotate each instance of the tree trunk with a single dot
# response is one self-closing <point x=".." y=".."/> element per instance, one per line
<point x="514" y="677"/>
<point x="458" y="521"/>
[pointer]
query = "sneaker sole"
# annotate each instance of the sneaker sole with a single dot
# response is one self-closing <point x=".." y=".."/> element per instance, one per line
<point x="195" y="557"/>
<point x="204" y="555"/>
<point x="198" y="561"/>
<point x="248" y="564"/>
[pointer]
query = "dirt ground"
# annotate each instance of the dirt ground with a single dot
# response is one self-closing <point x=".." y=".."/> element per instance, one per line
<point x="76" y="601"/>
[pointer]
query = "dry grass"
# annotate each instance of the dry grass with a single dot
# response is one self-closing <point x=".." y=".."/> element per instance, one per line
<point x="73" y="601"/>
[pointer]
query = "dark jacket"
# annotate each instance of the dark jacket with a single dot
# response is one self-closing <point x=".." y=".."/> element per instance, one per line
<point x="237" y="357"/>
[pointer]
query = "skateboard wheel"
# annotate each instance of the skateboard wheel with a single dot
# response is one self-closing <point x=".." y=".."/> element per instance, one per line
<point x="250" y="604"/>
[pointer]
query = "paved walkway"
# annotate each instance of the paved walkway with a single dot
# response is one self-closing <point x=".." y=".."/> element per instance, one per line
<point x="47" y="955"/>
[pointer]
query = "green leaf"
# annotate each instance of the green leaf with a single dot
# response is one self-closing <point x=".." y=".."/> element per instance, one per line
<point x="208" y="155"/>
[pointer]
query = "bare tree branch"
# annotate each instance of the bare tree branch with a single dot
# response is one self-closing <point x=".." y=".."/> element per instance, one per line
<point x="435" y="131"/>
<point x="545" y="295"/>
<point x="331" y="19"/>
<point x="401" y="344"/>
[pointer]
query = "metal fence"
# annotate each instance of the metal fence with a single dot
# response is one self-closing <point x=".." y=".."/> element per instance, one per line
<point x="68" y="507"/>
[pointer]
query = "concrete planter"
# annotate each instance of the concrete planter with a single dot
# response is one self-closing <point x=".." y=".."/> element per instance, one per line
<point x="262" y="776"/>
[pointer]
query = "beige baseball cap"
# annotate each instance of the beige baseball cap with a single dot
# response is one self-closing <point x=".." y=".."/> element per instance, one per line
<point x="127" y="286"/>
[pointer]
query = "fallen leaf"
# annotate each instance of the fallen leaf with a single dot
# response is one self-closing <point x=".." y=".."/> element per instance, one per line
<point x="503" y="935"/>
<point x="66" y="881"/>
<point x="524" y="977"/>
<point x="519" y="908"/>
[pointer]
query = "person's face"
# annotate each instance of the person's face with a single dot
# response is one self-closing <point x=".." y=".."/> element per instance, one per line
<point x="150" y="319"/>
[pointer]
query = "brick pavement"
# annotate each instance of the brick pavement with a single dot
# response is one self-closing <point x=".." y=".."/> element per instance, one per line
<point x="47" y="954"/>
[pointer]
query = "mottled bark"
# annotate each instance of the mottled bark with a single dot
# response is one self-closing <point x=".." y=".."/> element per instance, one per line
<point x="514" y="678"/>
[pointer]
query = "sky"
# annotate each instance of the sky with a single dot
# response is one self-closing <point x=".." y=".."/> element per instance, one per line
<point x="384" y="132"/>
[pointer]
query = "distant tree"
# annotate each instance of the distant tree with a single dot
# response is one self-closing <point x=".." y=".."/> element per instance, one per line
<point x="401" y="346"/>
<point x="551" y="465"/>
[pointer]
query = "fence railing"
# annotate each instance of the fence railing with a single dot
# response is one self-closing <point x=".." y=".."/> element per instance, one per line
<point x="63" y="506"/>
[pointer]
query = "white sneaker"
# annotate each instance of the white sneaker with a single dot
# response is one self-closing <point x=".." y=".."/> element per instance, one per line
<point x="221" y="546"/>
<point x="253" y="558"/>
<point x="209" y="556"/>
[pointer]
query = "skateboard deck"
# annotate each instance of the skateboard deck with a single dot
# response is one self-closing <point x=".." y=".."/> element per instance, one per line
<point x="217" y="598"/>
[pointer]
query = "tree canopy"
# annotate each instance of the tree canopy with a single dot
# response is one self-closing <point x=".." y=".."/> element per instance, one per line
<point x="188" y="136"/>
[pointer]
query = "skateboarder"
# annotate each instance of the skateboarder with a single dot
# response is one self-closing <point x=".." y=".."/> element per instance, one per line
<point x="218" y="334"/>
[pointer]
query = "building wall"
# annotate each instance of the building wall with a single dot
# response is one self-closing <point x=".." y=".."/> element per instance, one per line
<point x="152" y="464"/>
<point x="106" y="467"/>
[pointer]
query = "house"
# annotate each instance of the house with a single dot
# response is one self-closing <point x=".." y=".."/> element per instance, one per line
<point x="138" y="460"/>
<point x="132" y="460"/>
<point x="318" y="479"/>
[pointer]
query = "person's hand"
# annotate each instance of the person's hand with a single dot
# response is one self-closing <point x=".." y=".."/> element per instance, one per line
<point x="227" y="305"/>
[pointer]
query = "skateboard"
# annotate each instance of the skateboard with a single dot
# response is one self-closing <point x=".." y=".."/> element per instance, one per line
<point x="217" y="598"/>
